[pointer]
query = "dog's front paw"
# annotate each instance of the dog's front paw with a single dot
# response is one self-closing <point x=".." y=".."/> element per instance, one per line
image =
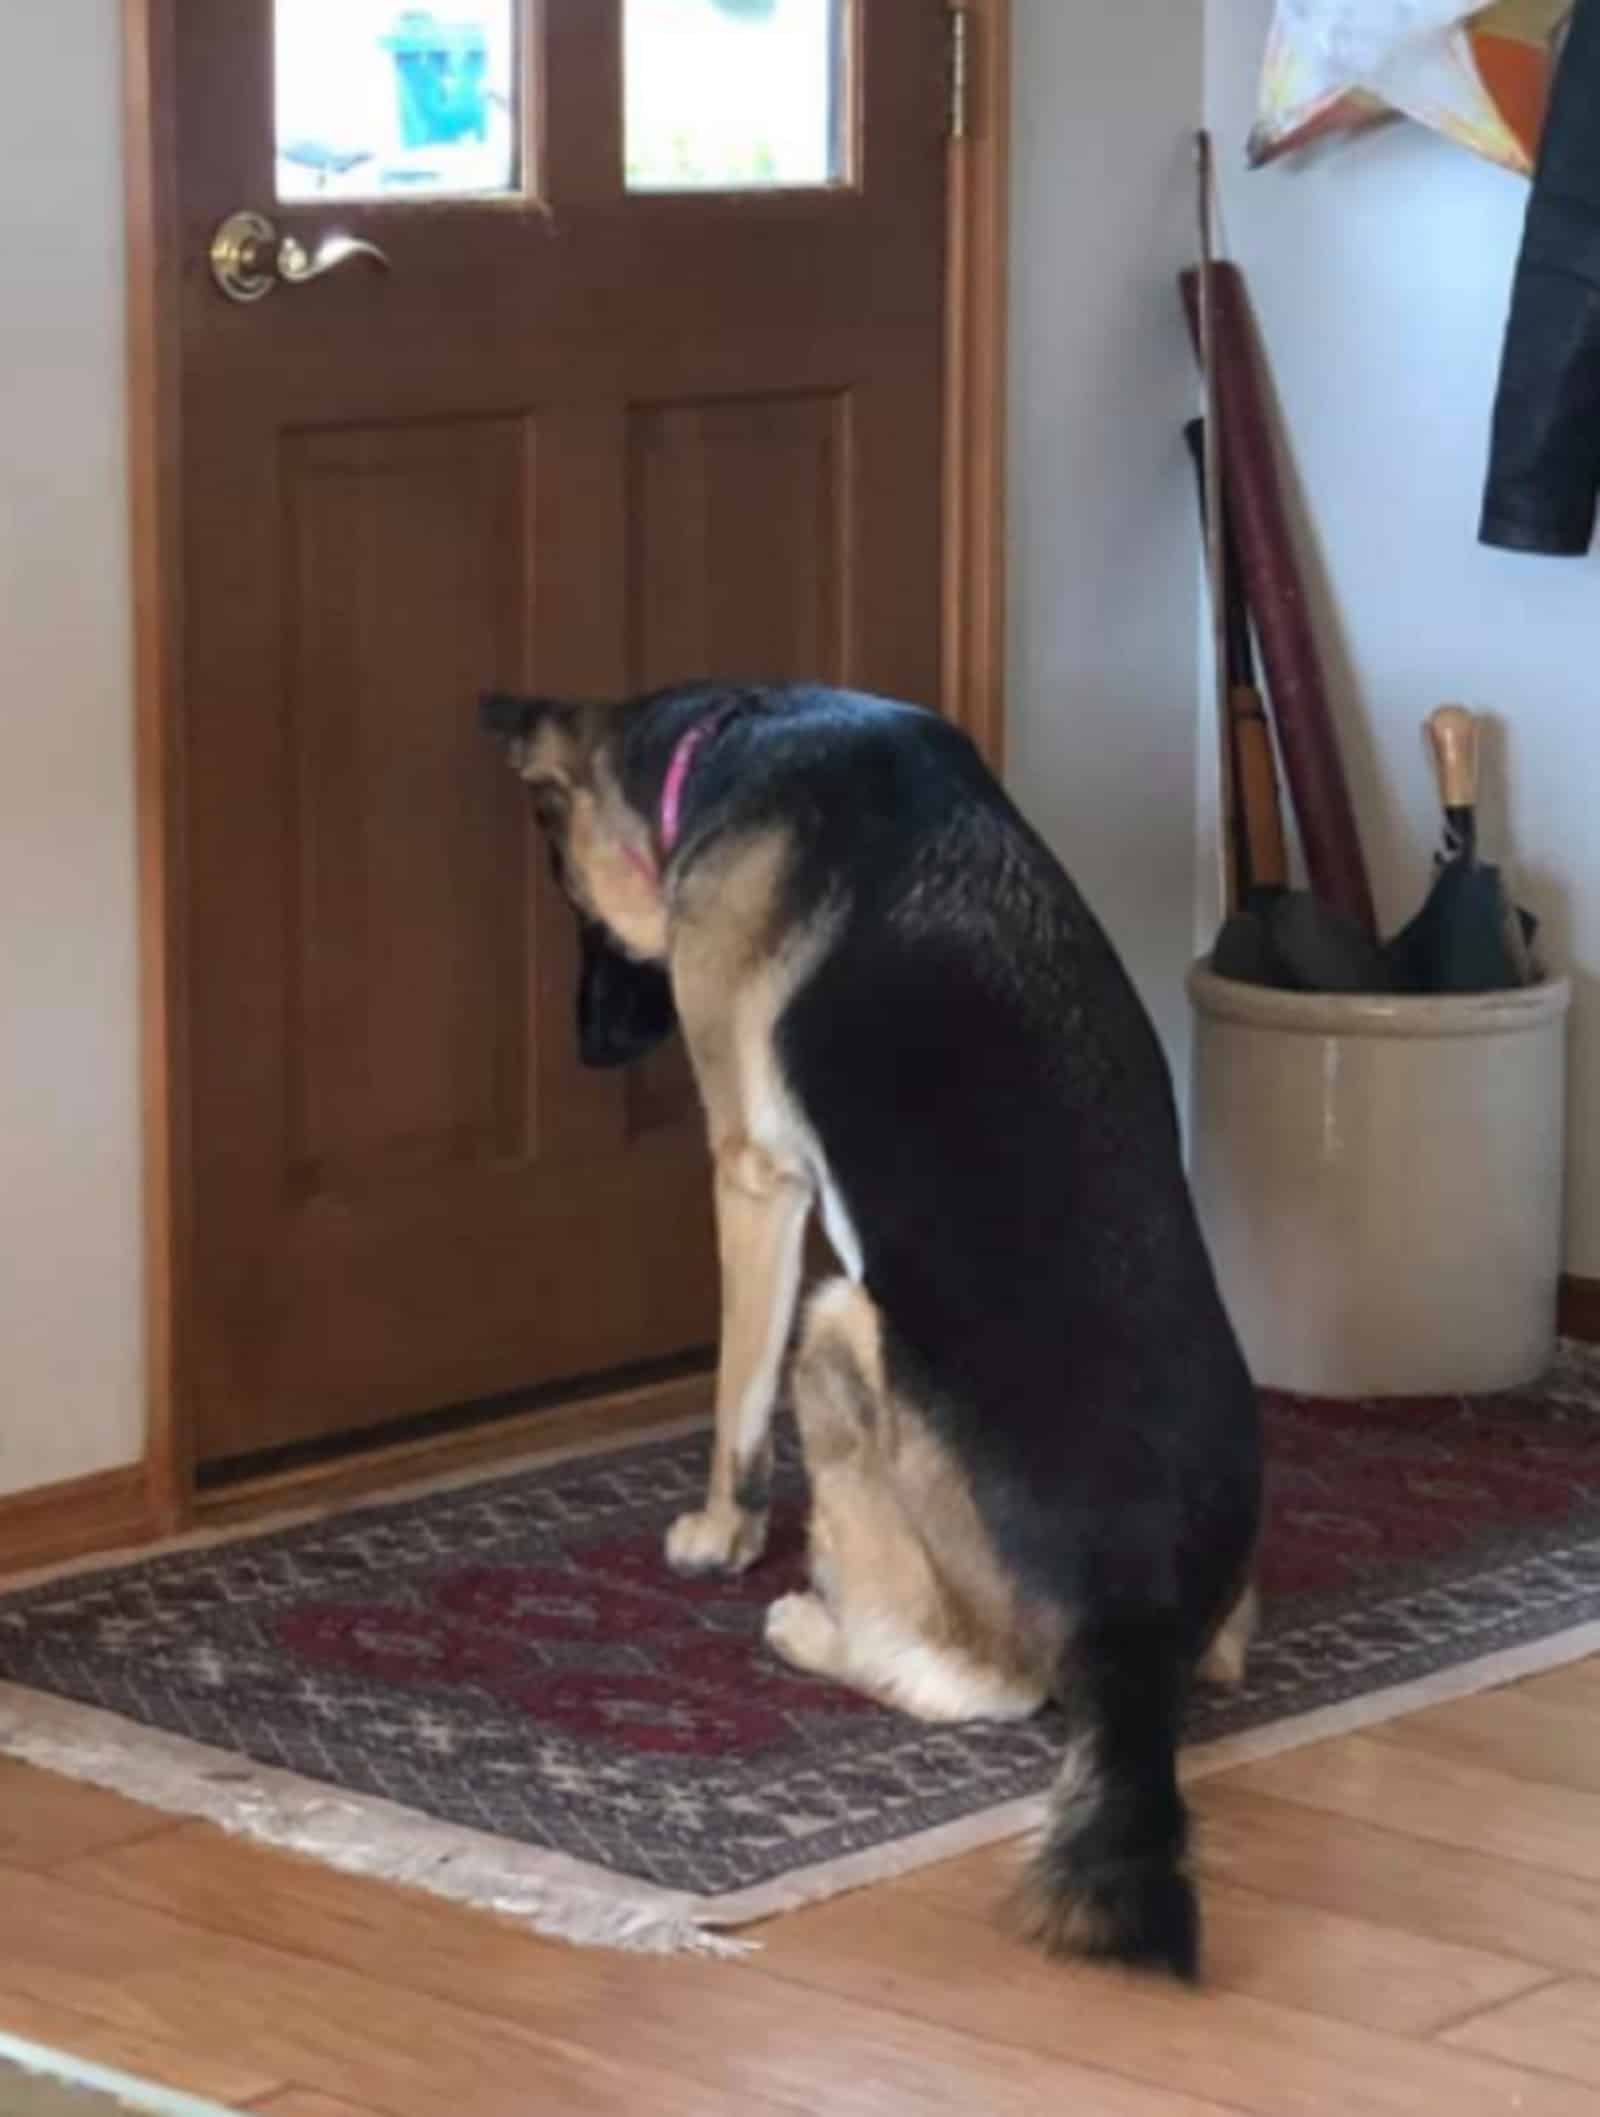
<point x="717" y="1540"/>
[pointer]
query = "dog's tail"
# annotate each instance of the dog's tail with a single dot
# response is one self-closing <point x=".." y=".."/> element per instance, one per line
<point x="1107" y="1879"/>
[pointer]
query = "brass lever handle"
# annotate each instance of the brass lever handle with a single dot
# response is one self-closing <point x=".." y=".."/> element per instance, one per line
<point x="249" y="257"/>
<point x="296" y="264"/>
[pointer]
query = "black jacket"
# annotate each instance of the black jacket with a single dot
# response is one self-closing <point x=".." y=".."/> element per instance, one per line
<point x="1544" y="463"/>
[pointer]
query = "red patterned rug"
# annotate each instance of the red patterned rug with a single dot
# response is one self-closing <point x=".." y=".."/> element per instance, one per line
<point x="499" y="1692"/>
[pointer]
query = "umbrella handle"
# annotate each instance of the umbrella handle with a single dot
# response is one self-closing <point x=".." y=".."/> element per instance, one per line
<point x="1266" y="858"/>
<point x="1452" y="734"/>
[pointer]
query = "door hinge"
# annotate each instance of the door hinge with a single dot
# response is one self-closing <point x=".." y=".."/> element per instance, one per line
<point x="962" y="34"/>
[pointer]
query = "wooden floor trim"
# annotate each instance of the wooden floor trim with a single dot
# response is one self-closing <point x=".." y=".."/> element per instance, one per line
<point x="116" y="1509"/>
<point x="74" y="1519"/>
<point x="617" y="1417"/>
<point x="1580" y="1309"/>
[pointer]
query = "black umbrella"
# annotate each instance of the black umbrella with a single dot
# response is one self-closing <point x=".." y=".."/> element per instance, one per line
<point x="1468" y="936"/>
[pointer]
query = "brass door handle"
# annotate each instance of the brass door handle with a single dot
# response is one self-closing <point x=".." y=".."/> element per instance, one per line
<point x="249" y="257"/>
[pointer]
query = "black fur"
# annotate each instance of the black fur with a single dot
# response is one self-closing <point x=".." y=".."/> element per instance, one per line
<point x="997" y="1116"/>
<point x="753" y="1488"/>
<point x="1108" y="1877"/>
<point x="624" y="1007"/>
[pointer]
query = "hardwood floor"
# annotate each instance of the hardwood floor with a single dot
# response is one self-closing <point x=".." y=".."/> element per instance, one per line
<point x="1404" y="1923"/>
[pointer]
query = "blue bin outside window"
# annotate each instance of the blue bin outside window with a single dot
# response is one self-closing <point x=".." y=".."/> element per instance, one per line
<point x="441" y="71"/>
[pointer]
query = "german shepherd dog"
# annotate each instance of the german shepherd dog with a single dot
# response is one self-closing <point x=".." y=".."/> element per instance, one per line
<point x="1030" y="1436"/>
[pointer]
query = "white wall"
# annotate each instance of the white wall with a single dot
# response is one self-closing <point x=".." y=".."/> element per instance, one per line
<point x="1380" y="273"/>
<point x="1103" y="515"/>
<point x="70" y="1355"/>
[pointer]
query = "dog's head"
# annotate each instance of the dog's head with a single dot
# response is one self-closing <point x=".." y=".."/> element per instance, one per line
<point x="602" y="854"/>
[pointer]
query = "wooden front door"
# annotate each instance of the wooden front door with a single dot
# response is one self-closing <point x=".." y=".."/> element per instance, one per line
<point x="649" y="387"/>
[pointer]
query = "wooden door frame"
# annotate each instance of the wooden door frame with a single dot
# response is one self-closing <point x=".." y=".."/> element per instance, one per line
<point x="977" y="250"/>
<point x="973" y="615"/>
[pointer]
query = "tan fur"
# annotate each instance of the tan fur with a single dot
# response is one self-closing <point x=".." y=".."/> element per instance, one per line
<point x="610" y="861"/>
<point x="560" y="752"/>
<point x="910" y="1603"/>
<point x="614" y="863"/>
<point x="1224" y="1660"/>
<point x="731" y="984"/>
<point x="1060" y="1926"/>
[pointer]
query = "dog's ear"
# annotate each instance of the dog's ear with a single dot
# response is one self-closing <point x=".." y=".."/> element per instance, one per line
<point x="625" y="1008"/>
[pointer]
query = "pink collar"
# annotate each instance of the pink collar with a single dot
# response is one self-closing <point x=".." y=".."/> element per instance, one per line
<point x="670" y="819"/>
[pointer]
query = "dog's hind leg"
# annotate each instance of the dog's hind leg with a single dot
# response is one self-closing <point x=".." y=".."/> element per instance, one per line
<point x="884" y="1615"/>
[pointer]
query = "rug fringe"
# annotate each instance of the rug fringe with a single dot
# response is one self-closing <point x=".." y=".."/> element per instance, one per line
<point x="550" y="1893"/>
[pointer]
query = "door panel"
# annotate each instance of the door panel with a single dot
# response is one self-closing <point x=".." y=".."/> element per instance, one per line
<point x="406" y="551"/>
<point x="736" y="532"/>
<point x="579" y="438"/>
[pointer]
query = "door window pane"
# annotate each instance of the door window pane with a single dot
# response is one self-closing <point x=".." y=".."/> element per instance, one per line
<point x="735" y="95"/>
<point x="378" y="100"/>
